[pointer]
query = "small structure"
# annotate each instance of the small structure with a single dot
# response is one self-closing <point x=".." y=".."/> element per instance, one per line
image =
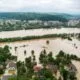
<point x="37" y="68"/>
<point x="12" y="68"/>
<point x="72" y="68"/>
<point x="53" y="68"/>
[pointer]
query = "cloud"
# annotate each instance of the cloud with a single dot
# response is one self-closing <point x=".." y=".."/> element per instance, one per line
<point x="40" y="5"/>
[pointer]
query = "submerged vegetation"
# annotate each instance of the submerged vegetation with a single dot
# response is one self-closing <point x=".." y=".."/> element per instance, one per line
<point x="59" y="68"/>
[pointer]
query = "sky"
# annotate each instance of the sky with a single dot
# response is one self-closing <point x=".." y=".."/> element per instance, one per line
<point x="60" y="6"/>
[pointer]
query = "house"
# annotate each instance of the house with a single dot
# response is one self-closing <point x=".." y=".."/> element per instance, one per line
<point x="53" y="68"/>
<point x="71" y="68"/>
<point x="37" y="68"/>
<point x="34" y="21"/>
<point x="11" y="68"/>
<point x="73" y="22"/>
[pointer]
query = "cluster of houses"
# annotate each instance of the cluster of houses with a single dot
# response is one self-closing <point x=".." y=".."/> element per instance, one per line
<point x="16" y="24"/>
<point x="11" y="21"/>
<point x="54" y="69"/>
<point x="45" y="23"/>
<point x="40" y="22"/>
<point x="73" y="22"/>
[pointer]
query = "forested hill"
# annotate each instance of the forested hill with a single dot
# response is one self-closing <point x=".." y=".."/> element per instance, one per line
<point x="32" y="16"/>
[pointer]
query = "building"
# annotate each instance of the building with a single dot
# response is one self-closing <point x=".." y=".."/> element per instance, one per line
<point x="11" y="68"/>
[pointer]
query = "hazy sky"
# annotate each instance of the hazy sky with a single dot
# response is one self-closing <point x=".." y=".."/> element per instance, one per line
<point x="62" y="6"/>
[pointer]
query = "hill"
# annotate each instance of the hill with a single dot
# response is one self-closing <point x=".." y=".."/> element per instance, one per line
<point x="32" y="16"/>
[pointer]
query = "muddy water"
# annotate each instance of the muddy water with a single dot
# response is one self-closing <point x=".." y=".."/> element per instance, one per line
<point x="55" y="45"/>
<point x="37" y="32"/>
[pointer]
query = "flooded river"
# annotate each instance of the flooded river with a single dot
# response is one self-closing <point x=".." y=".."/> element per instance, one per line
<point x="37" y="32"/>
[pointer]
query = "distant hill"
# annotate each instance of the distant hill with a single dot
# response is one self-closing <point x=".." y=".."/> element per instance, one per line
<point x="67" y="16"/>
<point x="32" y="16"/>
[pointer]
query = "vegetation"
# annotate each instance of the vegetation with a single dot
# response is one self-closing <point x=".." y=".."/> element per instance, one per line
<point x="4" y="54"/>
<point x="1" y="71"/>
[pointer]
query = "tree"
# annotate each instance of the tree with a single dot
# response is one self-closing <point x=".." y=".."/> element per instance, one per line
<point x="46" y="74"/>
<point x="32" y="52"/>
<point x="50" y="58"/>
<point x="1" y="71"/>
<point x="4" y="54"/>
<point x="64" y="73"/>
<point x="43" y="57"/>
<point x="47" y="42"/>
<point x="21" y="70"/>
<point x="61" y="54"/>
<point x="29" y="65"/>
<point x="19" y="63"/>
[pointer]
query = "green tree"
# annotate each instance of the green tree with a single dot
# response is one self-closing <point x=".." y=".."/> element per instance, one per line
<point x="1" y="71"/>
